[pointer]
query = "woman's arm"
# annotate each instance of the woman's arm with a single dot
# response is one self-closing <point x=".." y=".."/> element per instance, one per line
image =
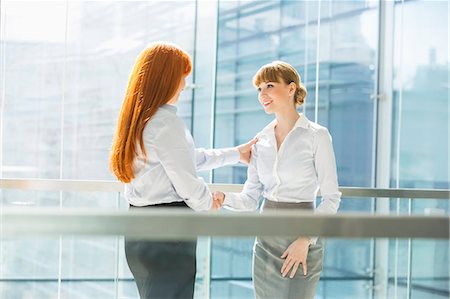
<point x="207" y="159"/>
<point x="214" y="158"/>
<point x="174" y="153"/>
<point x="325" y="165"/>
<point x="248" y="199"/>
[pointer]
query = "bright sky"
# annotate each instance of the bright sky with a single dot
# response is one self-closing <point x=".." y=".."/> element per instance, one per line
<point x="34" y="20"/>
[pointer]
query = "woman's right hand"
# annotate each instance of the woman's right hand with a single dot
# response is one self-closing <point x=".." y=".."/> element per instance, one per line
<point x="295" y="255"/>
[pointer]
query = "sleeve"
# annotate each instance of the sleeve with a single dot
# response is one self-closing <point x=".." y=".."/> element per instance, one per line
<point x="325" y="164"/>
<point x="248" y="199"/>
<point x="175" y="154"/>
<point x="214" y="158"/>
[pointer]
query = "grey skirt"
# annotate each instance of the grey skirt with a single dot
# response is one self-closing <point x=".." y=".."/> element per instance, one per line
<point x="267" y="262"/>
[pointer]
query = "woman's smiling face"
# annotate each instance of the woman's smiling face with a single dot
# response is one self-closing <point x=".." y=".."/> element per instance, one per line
<point x="275" y="96"/>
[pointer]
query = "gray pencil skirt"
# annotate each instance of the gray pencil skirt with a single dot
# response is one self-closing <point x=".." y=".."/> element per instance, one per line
<point x="267" y="263"/>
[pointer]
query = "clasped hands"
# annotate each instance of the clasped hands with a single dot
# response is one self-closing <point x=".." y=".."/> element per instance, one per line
<point x="218" y="199"/>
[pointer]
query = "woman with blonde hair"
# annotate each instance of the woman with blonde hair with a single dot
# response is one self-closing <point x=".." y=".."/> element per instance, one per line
<point x="154" y="154"/>
<point x="291" y="161"/>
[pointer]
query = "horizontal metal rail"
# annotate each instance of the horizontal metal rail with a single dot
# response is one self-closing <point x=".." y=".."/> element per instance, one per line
<point x="62" y="185"/>
<point x="114" y="186"/>
<point x="181" y="224"/>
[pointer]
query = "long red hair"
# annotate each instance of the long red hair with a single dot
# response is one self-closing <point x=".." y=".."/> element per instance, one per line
<point x="154" y="80"/>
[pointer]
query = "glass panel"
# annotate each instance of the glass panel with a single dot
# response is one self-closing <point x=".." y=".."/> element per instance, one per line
<point x="102" y="47"/>
<point x="420" y="153"/>
<point x="421" y="96"/>
<point x="32" y="88"/>
<point x="250" y="36"/>
<point x="64" y="70"/>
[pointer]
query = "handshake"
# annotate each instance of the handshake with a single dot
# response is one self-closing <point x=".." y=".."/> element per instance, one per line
<point x="245" y="154"/>
<point x="218" y="199"/>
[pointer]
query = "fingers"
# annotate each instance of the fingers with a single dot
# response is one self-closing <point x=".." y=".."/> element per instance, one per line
<point x="247" y="147"/>
<point x="287" y="267"/>
<point x="219" y="196"/>
<point x="253" y="141"/>
<point x="305" y="268"/>
<point x="294" y="269"/>
<point x="214" y="206"/>
<point x="292" y="263"/>
<point x="218" y="199"/>
<point x="245" y="151"/>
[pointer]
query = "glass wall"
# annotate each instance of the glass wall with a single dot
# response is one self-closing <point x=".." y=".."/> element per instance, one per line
<point x="420" y="140"/>
<point x="63" y="72"/>
<point x="333" y="45"/>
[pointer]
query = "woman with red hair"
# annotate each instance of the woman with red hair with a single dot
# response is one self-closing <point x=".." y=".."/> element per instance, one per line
<point x="154" y="154"/>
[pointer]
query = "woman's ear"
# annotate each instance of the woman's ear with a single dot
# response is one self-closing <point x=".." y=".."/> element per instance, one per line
<point x="292" y="88"/>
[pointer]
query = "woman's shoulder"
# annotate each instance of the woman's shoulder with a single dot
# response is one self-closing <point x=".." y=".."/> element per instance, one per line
<point x="318" y="129"/>
<point x="163" y="122"/>
<point x="321" y="135"/>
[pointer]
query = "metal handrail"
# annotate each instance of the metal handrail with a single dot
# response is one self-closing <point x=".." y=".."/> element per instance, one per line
<point x="184" y="224"/>
<point x="114" y="186"/>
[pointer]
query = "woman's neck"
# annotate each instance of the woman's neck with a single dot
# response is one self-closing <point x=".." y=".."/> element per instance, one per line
<point x="286" y="120"/>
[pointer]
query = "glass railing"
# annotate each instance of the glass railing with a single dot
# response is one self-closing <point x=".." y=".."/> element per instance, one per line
<point x="65" y="239"/>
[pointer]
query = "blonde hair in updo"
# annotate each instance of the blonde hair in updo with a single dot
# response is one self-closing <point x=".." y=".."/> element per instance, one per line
<point x="280" y="70"/>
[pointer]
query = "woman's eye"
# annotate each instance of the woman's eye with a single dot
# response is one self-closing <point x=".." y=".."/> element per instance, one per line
<point x="259" y="89"/>
<point x="269" y="85"/>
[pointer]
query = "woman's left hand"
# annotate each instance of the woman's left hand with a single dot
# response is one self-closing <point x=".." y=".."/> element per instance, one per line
<point x="245" y="151"/>
<point x="295" y="255"/>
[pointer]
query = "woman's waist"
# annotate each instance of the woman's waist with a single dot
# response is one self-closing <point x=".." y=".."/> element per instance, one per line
<point x="288" y="205"/>
<point x="174" y="204"/>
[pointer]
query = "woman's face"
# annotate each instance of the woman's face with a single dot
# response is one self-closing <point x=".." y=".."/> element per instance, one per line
<point x="276" y="96"/>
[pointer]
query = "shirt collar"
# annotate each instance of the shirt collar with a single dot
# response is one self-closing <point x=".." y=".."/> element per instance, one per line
<point x="171" y="108"/>
<point x="302" y="122"/>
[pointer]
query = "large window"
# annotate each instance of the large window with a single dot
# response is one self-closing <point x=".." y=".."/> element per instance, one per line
<point x="64" y="67"/>
<point x="334" y="47"/>
<point x="64" y="71"/>
<point x="420" y="140"/>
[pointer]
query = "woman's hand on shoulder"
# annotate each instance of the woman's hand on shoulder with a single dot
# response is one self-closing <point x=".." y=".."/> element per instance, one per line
<point x="245" y="150"/>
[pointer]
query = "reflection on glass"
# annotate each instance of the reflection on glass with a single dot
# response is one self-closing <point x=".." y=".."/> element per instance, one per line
<point x="64" y="69"/>
<point x="420" y="153"/>
<point x="347" y="52"/>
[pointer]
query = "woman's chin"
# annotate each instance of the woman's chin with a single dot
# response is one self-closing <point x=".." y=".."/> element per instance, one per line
<point x="268" y="110"/>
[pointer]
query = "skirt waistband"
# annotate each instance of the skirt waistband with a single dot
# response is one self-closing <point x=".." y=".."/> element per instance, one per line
<point x="274" y="205"/>
<point x="178" y="204"/>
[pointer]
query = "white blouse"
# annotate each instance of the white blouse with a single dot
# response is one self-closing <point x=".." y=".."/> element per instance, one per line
<point x="170" y="172"/>
<point x="304" y="164"/>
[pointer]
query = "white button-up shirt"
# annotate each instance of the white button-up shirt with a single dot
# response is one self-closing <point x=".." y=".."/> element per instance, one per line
<point x="169" y="174"/>
<point x="304" y="163"/>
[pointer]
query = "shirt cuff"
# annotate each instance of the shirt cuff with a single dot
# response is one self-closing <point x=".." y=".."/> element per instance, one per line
<point x="228" y="199"/>
<point x="313" y="240"/>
